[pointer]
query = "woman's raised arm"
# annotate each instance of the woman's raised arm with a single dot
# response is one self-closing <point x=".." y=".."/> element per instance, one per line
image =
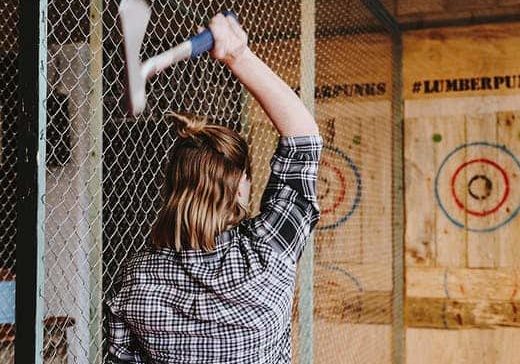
<point x="285" y="109"/>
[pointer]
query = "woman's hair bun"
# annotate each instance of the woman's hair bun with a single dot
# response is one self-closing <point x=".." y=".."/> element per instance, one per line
<point x="187" y="126"/>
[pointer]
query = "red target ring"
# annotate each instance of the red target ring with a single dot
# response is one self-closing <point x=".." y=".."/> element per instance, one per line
<point x="461" y="205"/>
<point x="343" y="183"/>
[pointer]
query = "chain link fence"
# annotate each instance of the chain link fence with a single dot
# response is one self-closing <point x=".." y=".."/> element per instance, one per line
<point x="8" y="157"/>
<point x="103" y="170"/>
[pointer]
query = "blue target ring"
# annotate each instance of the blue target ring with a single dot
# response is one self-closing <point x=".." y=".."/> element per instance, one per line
<point x="501" y="148"/>
<point x="357" y="198"/>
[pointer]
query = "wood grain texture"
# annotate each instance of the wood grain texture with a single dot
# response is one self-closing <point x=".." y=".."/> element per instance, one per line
<point x="419" y="176"/>
<point x="444" y="313"/>
<point x="411" y="7"/>
<point x="450" y="240"/>
<point x="463" y="284"/>
<point x="508" y="134"/>
<point x="483" y="249"/>
<point x="339" y="125"/>
<point x="492" y="346"/>
<point x="469" y="279"/>
<point x="351" y="344"/>
<point x="376" y="166"/>
<point x="461" y="52"/>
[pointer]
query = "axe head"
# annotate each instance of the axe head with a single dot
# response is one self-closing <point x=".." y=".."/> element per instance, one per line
<point x="134" y="16"/>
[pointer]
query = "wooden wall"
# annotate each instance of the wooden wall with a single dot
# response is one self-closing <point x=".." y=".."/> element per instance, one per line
<point x="462" y="144"/>
<point x="423" y="12"/>
<point x="462" y="174"/>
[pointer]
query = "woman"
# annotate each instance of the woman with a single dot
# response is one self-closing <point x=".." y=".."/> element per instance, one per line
<point x="215" y="286"/>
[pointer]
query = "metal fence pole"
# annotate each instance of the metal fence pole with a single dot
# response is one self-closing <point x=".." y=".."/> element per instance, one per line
<point x="95" y="127"/>
<point x="398" y="336"/>
<point x="307" y="82"/>
<point x="30" y="236"/>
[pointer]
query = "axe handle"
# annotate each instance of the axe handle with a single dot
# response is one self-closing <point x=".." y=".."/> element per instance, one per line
<point x="203" y="42"/>
<point x="191" y="48"/>
<point x="160" y="62"/>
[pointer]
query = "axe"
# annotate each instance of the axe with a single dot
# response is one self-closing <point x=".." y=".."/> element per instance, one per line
<point x="134" y="16"/>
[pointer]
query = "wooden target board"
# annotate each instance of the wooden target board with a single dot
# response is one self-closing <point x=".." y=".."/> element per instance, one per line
<point x="462" y="184"/>
<point x="477" y="194"/>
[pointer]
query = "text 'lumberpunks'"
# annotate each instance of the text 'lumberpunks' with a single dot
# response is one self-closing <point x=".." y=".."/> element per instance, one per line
<point x="348" y="90"/>
<point x="482" y="83"/>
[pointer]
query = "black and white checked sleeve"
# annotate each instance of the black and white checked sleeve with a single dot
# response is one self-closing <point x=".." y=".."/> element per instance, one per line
<point x="121" y="342"/>
<point x="289" y="210"/>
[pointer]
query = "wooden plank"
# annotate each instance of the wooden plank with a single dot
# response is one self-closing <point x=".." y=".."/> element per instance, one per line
<point x="337" y="100"/>
<point x="464" y="5"/>
<point x="331" y="68"/>
<point x="450" y="240"/>
<point x="352" y="344"/>
<point x="409" y="7"/>
<point x="376" y="161"/>
<point x="499" y="346"/>
<point x="427" y="10"/>
<point x="508" y="2"/>
<point x="509" y="136"/>
<point x="360" y="277"/>
<point x="419" y="202"/>
<point x="506" y="340"/>
<point x="338" y="241"/>
<point x="444" y="313"/>
<point x="451" y="106"/>
<point x="483" y="248"/>
<point x="342" y="295"/>
<point x="352" y="307"/>
<point x="479" y="284"/>
<point x="429" y="55"/>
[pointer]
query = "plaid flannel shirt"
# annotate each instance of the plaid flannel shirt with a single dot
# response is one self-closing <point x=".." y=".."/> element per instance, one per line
<point x="231" y="305"/>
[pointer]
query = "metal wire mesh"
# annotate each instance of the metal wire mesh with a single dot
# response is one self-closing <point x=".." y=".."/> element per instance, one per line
<point x="104" y="170"/>
<point x="8" y="157"/>
<point x="354" y="252"/>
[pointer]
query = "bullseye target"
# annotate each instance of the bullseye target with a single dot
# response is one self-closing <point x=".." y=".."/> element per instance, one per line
<point x="476" y="186"/>
<point x="339" y="188"/>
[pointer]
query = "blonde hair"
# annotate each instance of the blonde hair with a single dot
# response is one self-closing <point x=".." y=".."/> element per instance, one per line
<point x="201" y="185"/>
